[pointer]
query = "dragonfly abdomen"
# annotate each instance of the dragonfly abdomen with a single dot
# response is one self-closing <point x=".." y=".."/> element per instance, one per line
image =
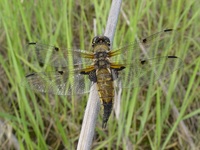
<point x="106" y="92"/>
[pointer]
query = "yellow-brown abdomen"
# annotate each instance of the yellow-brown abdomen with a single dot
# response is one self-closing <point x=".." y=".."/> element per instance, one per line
<point x="106" y="91"/>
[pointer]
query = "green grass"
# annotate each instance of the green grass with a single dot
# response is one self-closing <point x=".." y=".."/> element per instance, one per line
<point x="54" y="122"/>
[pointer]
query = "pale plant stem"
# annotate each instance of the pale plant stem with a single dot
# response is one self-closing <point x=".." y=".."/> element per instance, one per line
<point x="93" y="104"/>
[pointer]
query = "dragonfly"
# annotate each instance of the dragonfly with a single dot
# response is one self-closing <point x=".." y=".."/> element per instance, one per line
<point x="75" y="70"/>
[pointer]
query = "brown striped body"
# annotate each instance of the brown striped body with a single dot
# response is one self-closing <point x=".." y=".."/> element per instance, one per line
<point x="105" y="85"/>
<point x="106" y="92"/>
<point x="101" y="72"/>
<point x="104" y="79"/>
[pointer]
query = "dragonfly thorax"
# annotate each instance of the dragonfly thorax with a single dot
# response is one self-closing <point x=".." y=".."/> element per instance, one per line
<point x="101" y="55"/>
<point x="101" y="63"/>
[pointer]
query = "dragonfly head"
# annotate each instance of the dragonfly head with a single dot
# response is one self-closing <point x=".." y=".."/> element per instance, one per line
<point x="100" y="40"/>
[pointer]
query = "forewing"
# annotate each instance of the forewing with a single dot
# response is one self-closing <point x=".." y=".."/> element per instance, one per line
<point x="58" y="82"/>
<point x="59" y="57"/>
<point x="140" y="73"/>
<point x="153" y="45"/>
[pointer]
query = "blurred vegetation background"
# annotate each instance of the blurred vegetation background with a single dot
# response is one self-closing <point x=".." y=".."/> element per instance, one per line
<point x="148" y="120"/>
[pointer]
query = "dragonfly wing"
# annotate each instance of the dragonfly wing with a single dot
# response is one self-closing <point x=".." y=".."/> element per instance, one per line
<point x="58" y="57"/>
<point x="153" y="45"/>
<point x="58" y="82"/>
<point x="140" y="73"/>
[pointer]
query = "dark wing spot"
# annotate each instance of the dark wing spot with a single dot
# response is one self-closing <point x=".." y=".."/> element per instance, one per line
<point x="143" y="62"/>
<point x="30" y="75"/>
<point x="144" y="40"/>
<point x="61" y="72"/>
<point x="83" y="72"/>
<point x="122" y="68"/>
<point x="56" y="48"/>
<point x="167" y="30"/>
<point x="32" y="43"/>
<point x="172" y="57"/>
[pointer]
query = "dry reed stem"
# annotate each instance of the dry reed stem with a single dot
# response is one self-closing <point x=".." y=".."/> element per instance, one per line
<point x="93" y="105"/>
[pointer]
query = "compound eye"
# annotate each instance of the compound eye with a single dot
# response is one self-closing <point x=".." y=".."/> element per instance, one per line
<point x="95" y="39"/>
<point x="107" y="40"/>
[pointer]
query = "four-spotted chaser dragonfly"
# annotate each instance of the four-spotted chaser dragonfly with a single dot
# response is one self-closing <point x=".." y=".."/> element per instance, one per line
<point x="123" y="67"/>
